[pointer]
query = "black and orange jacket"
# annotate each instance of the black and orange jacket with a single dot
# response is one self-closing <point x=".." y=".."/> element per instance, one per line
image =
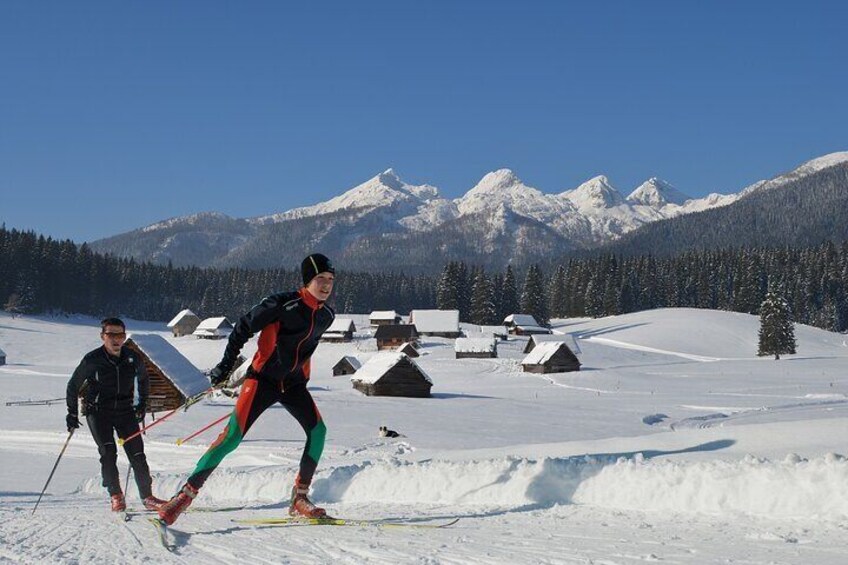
<point x="106" y="383"/>
<point x="291" y="323"/>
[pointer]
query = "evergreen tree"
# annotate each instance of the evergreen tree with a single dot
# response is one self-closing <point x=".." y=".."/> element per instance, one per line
<point x="483" y="301"/>
<point x="509" y="295"/>
<point x="533" y="299"/>
<point x="559" y="306"/>
<point x="777" y="332"/>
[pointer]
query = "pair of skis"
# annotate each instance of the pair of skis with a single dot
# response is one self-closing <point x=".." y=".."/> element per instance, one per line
<point x="167" y="542"/>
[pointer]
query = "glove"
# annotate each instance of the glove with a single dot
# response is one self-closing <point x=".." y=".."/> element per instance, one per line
<point x="219" y="374"/>
<point x="140" y="409"/>
<point x="73" y="422"/>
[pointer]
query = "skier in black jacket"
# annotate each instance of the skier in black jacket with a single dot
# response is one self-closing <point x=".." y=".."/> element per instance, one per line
<point x="105" y="380"/>
<point x="291" y="324"/>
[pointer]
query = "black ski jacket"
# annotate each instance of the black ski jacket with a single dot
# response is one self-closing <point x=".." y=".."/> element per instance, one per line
<point x="106" y="383"/>
<point x="291" y="323"/>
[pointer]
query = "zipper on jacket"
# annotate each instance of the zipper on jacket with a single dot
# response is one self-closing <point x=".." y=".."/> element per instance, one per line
<point x="297" y="349"/>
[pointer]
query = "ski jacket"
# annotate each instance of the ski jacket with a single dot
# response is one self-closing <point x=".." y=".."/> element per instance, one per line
<point x="290" y="325"/>
<point x="107" y="383"/>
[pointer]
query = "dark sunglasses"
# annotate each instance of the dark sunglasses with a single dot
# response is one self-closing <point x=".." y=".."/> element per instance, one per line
<point x="120" y="335"/>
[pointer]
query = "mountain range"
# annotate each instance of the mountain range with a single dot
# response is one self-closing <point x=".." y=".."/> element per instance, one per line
<point x="388" y="223"/>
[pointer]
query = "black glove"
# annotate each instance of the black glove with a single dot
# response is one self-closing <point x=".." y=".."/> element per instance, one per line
<point x="140" y="409"/>
<point x="73" y="422"/>
<point x="219" y="374"/>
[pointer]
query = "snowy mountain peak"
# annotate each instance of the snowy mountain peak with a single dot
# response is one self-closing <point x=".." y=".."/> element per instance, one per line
<point x="496" y="181"/>
<point x="810" y="167"/>
<point x="596" y="192"/>
<point x="656" y="193"/>
<point x="390" y="179"/>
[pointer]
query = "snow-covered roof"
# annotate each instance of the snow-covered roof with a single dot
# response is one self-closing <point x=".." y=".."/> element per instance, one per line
<point x="475" y="344"/>
<point x="430" y="321"/>
<point x="353" y="361"/>
<point x="379" y="365"/>
<point x="542" y="353"/>
<point x="180" y="316"/>
<point x="214" y="324"/>
<point x="341" y="325"/>
<point x="186" y="377"/>
<point x="383" y="315"/>
<point x="540" y="338"/>
<point x="2" y="353"/>
<point x="521" y="320"/>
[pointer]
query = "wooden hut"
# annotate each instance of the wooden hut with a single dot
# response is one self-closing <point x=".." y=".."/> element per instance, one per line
<point x="440" y="323"/>
<point x="536" y="339"/>
<point x="347" y="365"/>
<point x="476" y="347"/>
<point x="213" y="328"/>
<point x="383" y="318"/>
<point x="2" y="357"/>
<point x="551" y="357"/>
<point x="408" y="349"/>
<point x="524" y="324"/>
<point x="392" y="374"/>
<point x="340" y="331"/>
<point x="395" y="335"/>
<point x="184" y="323"/>
<point x="172" y="377"/>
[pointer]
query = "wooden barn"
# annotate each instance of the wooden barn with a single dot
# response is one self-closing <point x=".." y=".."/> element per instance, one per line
<point x="184" y="323"/>
<point x="213" y="328"/>
<point x="395" y="335"/>
<point x="524" y="324"/>
<point x="340" y="331"/>
<point x="173" y="378"/>
<point x="2" y="357"/>
<point x="476" y="347"/>
<point x="392" y="374"/>
<point x="439" y="323"/>
<point x="551" y="357"/>
<point x="536" y="339"/>
<point x="383" y="318"/>
<point x="347" y="365"/>
<point x="409" y="349"/>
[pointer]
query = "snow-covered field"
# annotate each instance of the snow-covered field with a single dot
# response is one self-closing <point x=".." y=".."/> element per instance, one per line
<point x="675" y="443"/>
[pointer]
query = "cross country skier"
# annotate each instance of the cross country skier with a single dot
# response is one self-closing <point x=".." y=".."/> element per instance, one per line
<point x="290" y="325"/>
<point x="106" y="380"/>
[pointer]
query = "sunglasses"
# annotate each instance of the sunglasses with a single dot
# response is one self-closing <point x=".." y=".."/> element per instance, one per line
<point x="119" y="335"/>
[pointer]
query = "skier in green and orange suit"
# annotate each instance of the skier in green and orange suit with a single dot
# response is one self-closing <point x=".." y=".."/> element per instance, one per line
<point x="290" y="324"/>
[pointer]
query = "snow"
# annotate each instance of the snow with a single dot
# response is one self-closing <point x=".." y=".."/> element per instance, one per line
<point x="186" y="377"/>
<point x="377" y="366"/>
<point x="657" y="193"/>
<point x="475" y="345"/>
<point x="542" y="353"/>
<point x="432" y="321"/>
<point x="384" y="315"/>
<point x="674" y="443"/>
<point x="341" y="325"/>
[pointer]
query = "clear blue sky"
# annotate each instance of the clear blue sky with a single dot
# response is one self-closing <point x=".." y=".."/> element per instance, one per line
<point x="114" y="115"/>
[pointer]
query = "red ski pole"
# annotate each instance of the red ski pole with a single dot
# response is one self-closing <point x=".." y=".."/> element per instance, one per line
<point x="184" y="406"/>
<point x="203" y="429"/>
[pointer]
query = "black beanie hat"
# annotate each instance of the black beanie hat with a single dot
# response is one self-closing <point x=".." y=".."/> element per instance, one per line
<point x="313" y="265"/>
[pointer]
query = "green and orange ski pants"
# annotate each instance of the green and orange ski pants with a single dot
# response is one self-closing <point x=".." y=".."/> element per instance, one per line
<point x="256" y="396"/>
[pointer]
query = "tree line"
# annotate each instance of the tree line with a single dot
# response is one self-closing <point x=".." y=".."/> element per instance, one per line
<point x="39" y="274"/>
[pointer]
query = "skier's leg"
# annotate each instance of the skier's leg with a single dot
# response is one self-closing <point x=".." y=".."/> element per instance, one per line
<point x="298" y="401"/>
<point x="255" y="397"/>
<point x="100" y="426"/>
<point x="134" y="448"/>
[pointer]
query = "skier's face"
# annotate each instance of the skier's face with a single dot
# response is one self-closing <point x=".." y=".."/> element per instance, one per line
<point x="113" y="339"/>
<point x="321" y="286"/>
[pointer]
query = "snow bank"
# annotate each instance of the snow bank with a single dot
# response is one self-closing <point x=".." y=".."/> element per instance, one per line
<point x="792" y="488"/>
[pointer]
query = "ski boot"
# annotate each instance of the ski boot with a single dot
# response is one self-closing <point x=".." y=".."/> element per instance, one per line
<point x="301" y="506"/>
<point x="170" y="511"/>
<point x="153" y="503"/>
<point x="118" y="502"/>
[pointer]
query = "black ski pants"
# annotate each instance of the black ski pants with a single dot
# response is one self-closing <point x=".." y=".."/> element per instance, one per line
<point x="103" y="426"/>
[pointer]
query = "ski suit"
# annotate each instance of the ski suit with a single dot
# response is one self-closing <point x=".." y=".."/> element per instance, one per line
<point x="107" y="386"/>
<point x="290" y="325"/>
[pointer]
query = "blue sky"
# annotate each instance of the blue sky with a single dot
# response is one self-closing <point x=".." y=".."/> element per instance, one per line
<point x="116" y="115"/>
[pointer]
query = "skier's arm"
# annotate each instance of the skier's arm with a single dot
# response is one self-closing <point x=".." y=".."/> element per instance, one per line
<point x="143" y="383"/>
<point x="76" y="382"/>
<point x="259" y="316"/>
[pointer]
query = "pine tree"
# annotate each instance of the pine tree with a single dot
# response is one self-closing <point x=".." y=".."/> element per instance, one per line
<point x="482" y="301"/>
<point x="533" y="299"/>
<point x="509" y="296"/>
<point x="777" y="332"/>
<point x="559" y="306"/>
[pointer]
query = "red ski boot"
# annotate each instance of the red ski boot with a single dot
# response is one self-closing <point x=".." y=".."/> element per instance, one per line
<point x="153" y="503"/>
<point x="301" y="505"/>
<point x="169" y="511"/>
<point x="118" y="502"/>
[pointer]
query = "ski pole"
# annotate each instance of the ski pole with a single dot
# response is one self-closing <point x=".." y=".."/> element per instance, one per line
<point x="56" y="464"/>
<point x="184" y="406"/>
<point x="203" y="429"/>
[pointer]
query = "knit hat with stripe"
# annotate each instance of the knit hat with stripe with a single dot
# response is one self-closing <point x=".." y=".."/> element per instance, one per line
<point x="313" y="265"/>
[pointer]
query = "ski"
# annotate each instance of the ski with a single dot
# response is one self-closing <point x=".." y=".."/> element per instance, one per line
<point x="295" y="521"/>
<point x="162" y="530"/>
<point x="145" y="511"/>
